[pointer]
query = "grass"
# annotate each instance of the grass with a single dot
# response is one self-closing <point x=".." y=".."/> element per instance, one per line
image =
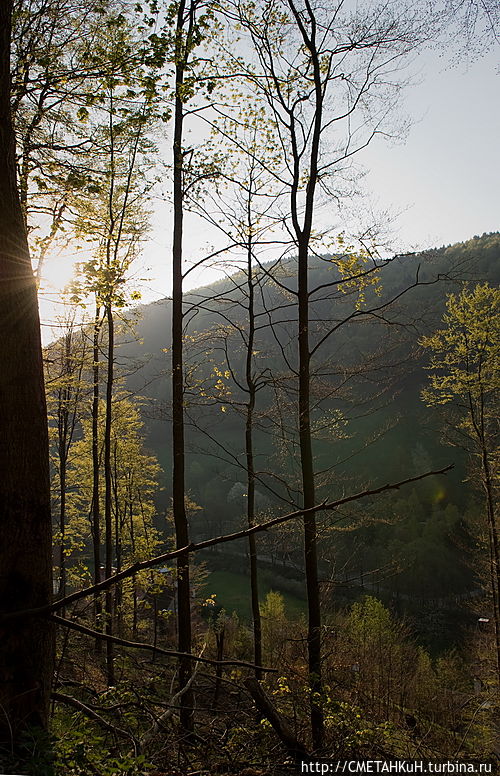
<point x="233" y="593"/>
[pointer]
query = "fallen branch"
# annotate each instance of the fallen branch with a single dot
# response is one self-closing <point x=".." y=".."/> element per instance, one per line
<point x="195" y="547"/>
<point x="159" y="724"/>
<point x="151" y="647"/>
<point x="295" y="749"/>
<point x="80" y="706"/>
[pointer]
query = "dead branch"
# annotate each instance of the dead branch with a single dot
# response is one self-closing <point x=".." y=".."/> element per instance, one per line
<point x="151" y="647"/>
<point x="80" y="706"/>
<point x="295" y="749"/>
<point x="159" y="724"/>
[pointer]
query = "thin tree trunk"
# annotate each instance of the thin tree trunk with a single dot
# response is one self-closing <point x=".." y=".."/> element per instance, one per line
<point x="494" y="553"/>
<point x="219" y="639"/>
<point x="119" y="524"/>
<point x="96" y="512"/>
<point x="108" y="494"/>
<point x="252" y="542"/>
<point x="135" y="612"/>
<point x="62" y="514"/>
<point x="26" y="645"/>
<point x="303" y="236"/>
<point x="479" y="424"/>
<point x="308" y="490"/>
<point x="178" y="474"/>
<point x="63" y="451"/>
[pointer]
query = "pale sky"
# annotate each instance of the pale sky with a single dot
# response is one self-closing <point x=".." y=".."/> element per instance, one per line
<point x="443" y="179"/>
<point x="447" y="172"/>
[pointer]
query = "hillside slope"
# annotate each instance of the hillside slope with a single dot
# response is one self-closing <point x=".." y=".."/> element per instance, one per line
<point x="368" y="378"/>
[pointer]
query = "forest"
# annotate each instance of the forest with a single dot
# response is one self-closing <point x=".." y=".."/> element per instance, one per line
<point x="249" y="526"/>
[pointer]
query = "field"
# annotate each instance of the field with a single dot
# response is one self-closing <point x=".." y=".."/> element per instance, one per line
<point x="232" y="591"/>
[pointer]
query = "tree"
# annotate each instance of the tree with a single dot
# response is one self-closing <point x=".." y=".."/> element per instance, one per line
<point x="134" y="475"/>
<point x="65" y="386"/>
<point x="26" y="647"/>
<point x="53" y="67"/>
<point x="111" y="215"/>
<point x="183" y="45"/>
<point x="239" y="205"/>
<point x="328" y="80"/>
<point x="466" y="355"/>
<point x="477" y="23"/>
<point x="187" y="35"/>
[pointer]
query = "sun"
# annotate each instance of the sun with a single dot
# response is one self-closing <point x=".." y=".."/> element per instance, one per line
<point x="57" y="272"/>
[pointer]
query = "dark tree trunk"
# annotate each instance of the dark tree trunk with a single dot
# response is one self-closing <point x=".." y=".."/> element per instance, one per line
<point x="96" y="512"/>
<point x="135" y="619"/>
<point x="251" y="388"/>
<point x="178" y="475"/>
<point x="26" y="645"/>
<point x="479" y="423"/>
<point x="108" y="496"/>
<point x="119" y="526"/>
<point x="494" y="550"/>
<point x="303" y="236"/>
<point x="65" y="427"/>
<point x="308" y="490"/>
<point x="63" y="456"/>
<point x="219" y="640"/>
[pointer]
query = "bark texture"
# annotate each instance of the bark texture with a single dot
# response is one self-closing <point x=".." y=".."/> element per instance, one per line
<point x="26" y="644"/>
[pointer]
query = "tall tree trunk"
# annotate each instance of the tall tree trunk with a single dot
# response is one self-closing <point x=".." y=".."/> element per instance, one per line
<point x="250" y="466"/>
<point x="494" y="551"/>
<point x="63" y="423"/>
<point x="303" y="236"/>
<point x="178" y="475"/>
<point x="108" y="495"/>
<point x="26" y="645"/>
<point x="62" y="454"/>
<point x="135" y="620"/>
<point x="96" y="511"/>
<point x="479" y="424"/>
<point x="119" y="524"/>
<point x="308" y="490"/>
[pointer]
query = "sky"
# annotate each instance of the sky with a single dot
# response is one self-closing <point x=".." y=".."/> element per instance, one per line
<point x="440" y="185"/>
<point x="445" y="177"/>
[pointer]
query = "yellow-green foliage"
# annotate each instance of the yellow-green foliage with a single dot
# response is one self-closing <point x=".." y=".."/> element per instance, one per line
<point x="465" y="355"/>
<point x="272" y="612"/>
<point x="134" y="484"/>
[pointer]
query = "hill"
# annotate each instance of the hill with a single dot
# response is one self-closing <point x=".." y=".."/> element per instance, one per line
<point x="368" y="378"/>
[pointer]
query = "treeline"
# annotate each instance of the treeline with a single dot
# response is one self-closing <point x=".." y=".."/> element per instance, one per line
<point x="117" y="662"/>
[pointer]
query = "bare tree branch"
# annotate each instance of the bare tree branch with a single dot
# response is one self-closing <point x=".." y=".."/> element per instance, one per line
<point x="196" y="547"/>
<point x="149" y="647"/>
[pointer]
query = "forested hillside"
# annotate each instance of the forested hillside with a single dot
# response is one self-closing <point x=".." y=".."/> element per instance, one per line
<point x="375" y="371"/>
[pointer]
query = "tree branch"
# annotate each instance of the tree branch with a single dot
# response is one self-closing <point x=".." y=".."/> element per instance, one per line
<point x="80" y="706"/>
<point x="196" y="547"/>
<point x="295" y="748"/>
<point x="149" y="647"/>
